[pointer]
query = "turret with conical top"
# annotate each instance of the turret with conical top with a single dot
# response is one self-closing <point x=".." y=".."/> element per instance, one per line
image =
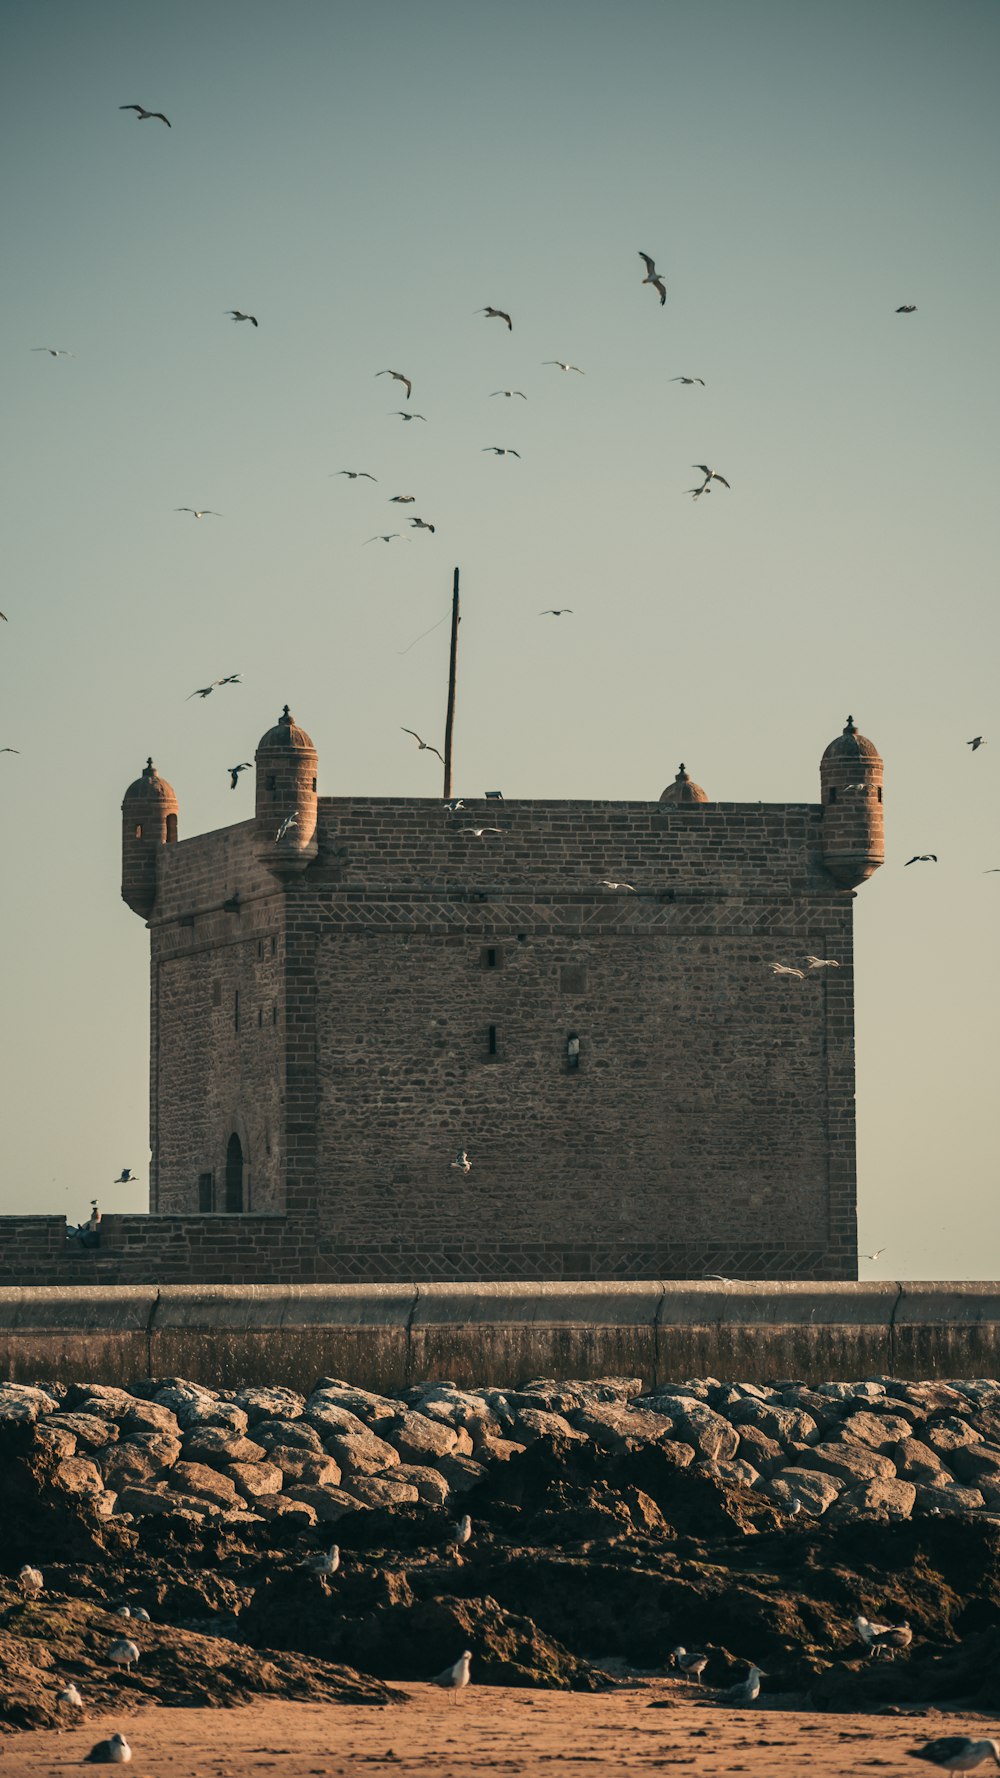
<point x="853" y="836"/>
<point x="149" y="821"/>
<point x="286" y="812"/>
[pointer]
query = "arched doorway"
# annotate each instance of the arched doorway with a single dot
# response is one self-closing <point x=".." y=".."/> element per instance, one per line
<point x="234" y="1175"/>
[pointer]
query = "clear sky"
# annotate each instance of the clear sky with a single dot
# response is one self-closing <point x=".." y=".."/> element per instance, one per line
<point x="363" y="179"/>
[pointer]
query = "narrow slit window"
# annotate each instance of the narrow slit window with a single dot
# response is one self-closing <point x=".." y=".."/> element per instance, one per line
<point x="206" y="1193"/>
<point x="491" y="1041"/>
<point x="236" y="1010"/>
<point x="171" y="829"/>
<point x="833" y="793"/>
<point x="138" y="830"/>
<point x="880" y="793"/>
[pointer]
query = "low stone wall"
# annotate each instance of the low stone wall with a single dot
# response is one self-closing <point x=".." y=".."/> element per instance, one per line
<point x="385" y="1337"/>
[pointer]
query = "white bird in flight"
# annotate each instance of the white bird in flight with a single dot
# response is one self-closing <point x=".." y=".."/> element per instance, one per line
<point x="422" y="525"/>
<point x="406" y="416"/>
<point x="399" y="378"/>
<point x="711" y="475"/>
<point x="498" y="315"/>
<point x="238" y="315"/>
<point x="234" y="773"/>
<point x="289" y="822"/>
<point x="509" y="393"/>
<point x="480" y="831"/>
<point x="54" y="351"/>
<point x="557" y="611"/>
<point x="423" y="746"/>
<point x="462" y="1162"/>
<point x="381" y="537"/>
<point x="562" y="366"/>
<point x="629" y="886"/>
<point x="402" y="499"/>
<point x="143" y="114"/>
<point x="822" y="963"/>
<point x="876" y="1255"/>
<point x="922" y="858"/>
<point x="356" y="475"/>
<point x="700" y="380"/>
<point x="653" y="277"/>
<point x="502" y="450"/>
<point x="200" y="512"/>
<point x="786" y="969"/>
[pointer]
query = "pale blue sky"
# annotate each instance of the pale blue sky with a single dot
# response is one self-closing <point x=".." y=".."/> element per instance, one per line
<point x="363" y="179"/>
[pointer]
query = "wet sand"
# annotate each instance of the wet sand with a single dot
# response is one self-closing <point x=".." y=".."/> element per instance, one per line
<point x="497" y="1729"/>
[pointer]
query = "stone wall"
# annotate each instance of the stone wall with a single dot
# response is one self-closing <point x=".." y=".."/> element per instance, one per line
<point x="413" y="992"/>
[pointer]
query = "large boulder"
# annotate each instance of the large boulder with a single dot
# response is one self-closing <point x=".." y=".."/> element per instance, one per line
<point x="852" y="1463"/>
<point x="419" y="1439"/>
<point x="377" y="1490"/>
<point x="287" y="1433"/>
<point x="816" y="1490"/>
<point x="204" y="1483"/>
<point x="758" y="1448"/>
<point x="953" y="1498"/>
<point x="615" y="1427"/>
<point x="21" y="1402"/>
<point x="89" y="1430"/>
<point x="219" y="1445"/>
<point x="431" y="1485"/>
<point x="531" y="1423"/>
<point x="788" y="1426"/>
<point x="78" y="1475"/>
<point x="919" y="1462"/>
<point x="327" y="1504"/>
<point x="950" y="1434"/>
<point x="372" y="1410"/>
<point x="313" y="1468"/>
<point x="361" y="1453"/>
<point x="136" y="1460"/>
<point x="978" y="1466"/>
<point x="880" y="1432"/>
<point x="270" y="1404"/>
<point x="256" y="1480"/>
<point x="884" y="1497"/>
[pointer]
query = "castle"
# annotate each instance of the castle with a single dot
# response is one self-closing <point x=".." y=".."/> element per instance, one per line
<point x="347" y="992"/>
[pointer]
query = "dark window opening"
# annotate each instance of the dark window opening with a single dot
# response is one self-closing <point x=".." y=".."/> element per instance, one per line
<point x="572" y="1052"/>
<point x="880" y="793"/>
<point x="271" y="781"/>
<point x="236" y="1010"/>
<point x="216" y="993"/>
<point x="274" y="947"/>
<point x="489" y="957"/>
<point x="274" y="1015"/>
<point x="491" y="1041"/>
<point x="260" y="947"/>
<point x="138" y="830"/>
<point x="260" y="1017"/>
<point x="314" y="783"/>
<point x="171" y="829"/>
<point x="833" y="793"/>
<point x="206" y="1193"/>
<point x="234" y="1176"/>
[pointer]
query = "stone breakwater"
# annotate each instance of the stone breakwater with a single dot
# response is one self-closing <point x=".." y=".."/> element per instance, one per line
<point x="752" y="1522"/>
<point x="877" y="1447"/>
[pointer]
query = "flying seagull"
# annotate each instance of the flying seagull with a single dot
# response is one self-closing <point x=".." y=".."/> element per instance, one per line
<point x="876" y="1255"/>
<point x="54" y="351"/>
<point x="203" y="691"/>
<point x="498" y="315"/>
<point x="381" y="537"/>
<point x="480" y="831"/>
<point x="698" y="492"/>
<point x="557" y="611"/>
<point x="562" y="366"/>
<point x="231" y="679"/>
<point x="711" y="475"/>
<point x="115" y="1751"/>
<point x="423" y="746"/>
<point x="399" y="378"/>
<point x="700" y="380"/>
<point x="405" y="416"/>
<point x="356" y="475"/>
<point x="822" y="963"/>
<point x="125" y="1177"/>
<point x="454" y="1678"/>
<point x="629" y="886"/>
<point x="17" y="750"/>
<point x="907" y="309"/>
<point x="786" y="969"/>
<point x="976" y="742"/>
<point x="957" y="1753"/>
<point x="143" y="114"/>
<point x="234" y="773"/>
<point x="401" y="499"/>
<point x="289" y="822"/>
<point x="202" y="512"/>
<point x="238" y="315"/>
<point x="653" y="277"/>
<point x="509" y="393"/>
<point x="422" y="525"/>
<point x="501" y="450"/>
<point x="922" y="858"/>
<point x="462" y="1162"/>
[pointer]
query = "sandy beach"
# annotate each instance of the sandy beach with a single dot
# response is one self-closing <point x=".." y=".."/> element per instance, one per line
<point x="494" y="1728"/>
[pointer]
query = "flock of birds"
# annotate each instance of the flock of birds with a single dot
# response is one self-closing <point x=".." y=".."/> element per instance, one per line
<point x="954" y="1753"/>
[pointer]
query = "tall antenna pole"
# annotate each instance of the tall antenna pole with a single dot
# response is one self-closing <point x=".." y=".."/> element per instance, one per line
<point x="452" y="665"/>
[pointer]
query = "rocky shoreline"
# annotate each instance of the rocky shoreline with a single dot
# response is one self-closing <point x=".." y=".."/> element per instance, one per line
<point x="753" y="1521"/>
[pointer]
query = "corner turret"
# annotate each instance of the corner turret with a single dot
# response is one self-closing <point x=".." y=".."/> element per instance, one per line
<point x="149" y="820"/>
<point x="286" y="813"/>
<point x="683" y="790"/>
<point x="853" y="836"/>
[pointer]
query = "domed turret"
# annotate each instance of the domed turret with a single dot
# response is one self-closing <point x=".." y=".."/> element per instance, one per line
<point x="286" y="797"/>
<point x="149" y="820"/>
<point x="850" y="776"/>
<point x="683" y="790"/>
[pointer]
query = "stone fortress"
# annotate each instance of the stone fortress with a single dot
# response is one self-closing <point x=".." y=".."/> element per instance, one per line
<point x="583" y="1002"/>
<point x="337" y="1011"/>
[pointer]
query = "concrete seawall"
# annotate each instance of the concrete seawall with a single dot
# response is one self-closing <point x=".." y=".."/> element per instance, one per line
<point x="384" y="1337"/>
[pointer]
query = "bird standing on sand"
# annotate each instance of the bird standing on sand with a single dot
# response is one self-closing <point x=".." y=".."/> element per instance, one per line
<point x="692" y="1664"/>
<point x="239" y="315"/>
<point x="115" y="1751"/>
<point x="653" y="277"/>
<point x="746" y="1692"/>
<point x="957" y="1753"/>
<point x="123" y="1653"/>
<point x="423" y="746"/>
<point x="455" y="1678"/>
<point x="399" y="378"/>
<point x="143" y="114"/>
<point x="31" y="1581"/>
<point x="497" y="315"/>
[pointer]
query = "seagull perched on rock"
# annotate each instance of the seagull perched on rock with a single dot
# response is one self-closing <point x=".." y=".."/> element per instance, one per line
<point x="746" y="1692"/>
<point x="497" y="315"/>
<point x="114" y="1751"/>
<point x="399" y="378"/>
<point x="557" y="611"/>
<point x="54" y="351"/>
<point x="822" y="963"/>
<point x="976" y="742"/>
<point x="922" y="858"/>
<point x="509" y="393"/>
<point x="693" y="1664"/>
<point x="31" y="1581"/>
<point x="355" y="475"/>
<point x="123" y="1653"/>
<point x="700" y="380"/>
<point x="143" y="114"/>
<point x="238" y="315"/>
<point x="787" y="969"/>
<point x="423" y="746"/>
<point x="234" y="772"/>
<point x="907" y="309"/>
<point x="453" y="1679"/>
<point x="957" y="1753"/>
<point x="501" y="450"/>
<point x="125" y="1177"/>
<point x="381" y="537"/>
<point x="461" y="1532"/>
<point x="289" y="822"/>
<point x="562" y="366"/>
<point x="462" y="1162"/>
<point x="422" y="525"/>
<point x="200" y="512"/>
<point x="326" y="1562"/>
<point x="653" y="277"/>
<point x="711" y="475"/>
